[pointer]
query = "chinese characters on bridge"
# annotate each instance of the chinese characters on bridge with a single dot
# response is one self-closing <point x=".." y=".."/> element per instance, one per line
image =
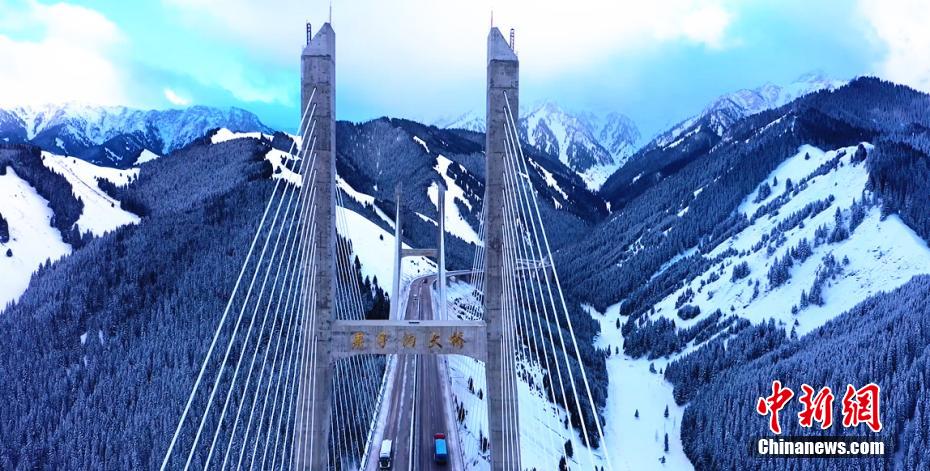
<point x="434" y="341"/>
<point x="859" y="406"/>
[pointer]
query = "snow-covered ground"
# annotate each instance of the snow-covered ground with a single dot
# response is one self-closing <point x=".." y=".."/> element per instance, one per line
<point x="33" y="240"/>
<point x="638" y="443"/>
<point x="101" y="212"/>
<point x="223" y="135"/>
<point x="882" y="253"/>
<point x="363" y="199"/>
<point x="543" y="434"/>
<point x="146" y="156"/>
<point x="455" y="223"/>
<point x="277" y="158"/>
<point x="375" y="249"/>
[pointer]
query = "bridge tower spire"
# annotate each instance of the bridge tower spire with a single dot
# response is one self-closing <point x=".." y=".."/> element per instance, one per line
<point x="318" y="72"/>
<point x="503" y="85"/>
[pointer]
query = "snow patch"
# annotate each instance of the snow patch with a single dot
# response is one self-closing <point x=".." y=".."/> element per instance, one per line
<point x="455" y="223"/>
<point x="146" y="156"/>
<point x="422" y="143"/>
<point x="280" y="170"/>
<point x="375" y="249"/>
<point x="637" y="443"/>
<point x="101" y="213"/>
<point x="33" y="240"/>
<point x="223" y="135"/>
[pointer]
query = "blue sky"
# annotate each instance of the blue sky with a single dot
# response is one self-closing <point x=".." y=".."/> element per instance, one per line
<point x="658" y="61"/>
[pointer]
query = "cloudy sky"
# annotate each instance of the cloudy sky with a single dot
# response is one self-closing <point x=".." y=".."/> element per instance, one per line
<point x="657" y="61"/>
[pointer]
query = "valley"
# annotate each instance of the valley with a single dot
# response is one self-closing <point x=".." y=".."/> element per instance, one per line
<point x="697" y="260"/>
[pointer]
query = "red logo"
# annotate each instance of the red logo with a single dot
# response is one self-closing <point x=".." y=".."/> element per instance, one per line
<point x="860" y="406"/>
<point x="819" y="407"/>
<point x="773" y="404"/>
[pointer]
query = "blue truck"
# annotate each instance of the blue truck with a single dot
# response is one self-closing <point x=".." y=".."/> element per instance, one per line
<point x="440" y="451"/>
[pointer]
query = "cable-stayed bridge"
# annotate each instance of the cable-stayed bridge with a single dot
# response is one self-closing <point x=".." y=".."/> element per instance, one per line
<point x="295" y="376"/>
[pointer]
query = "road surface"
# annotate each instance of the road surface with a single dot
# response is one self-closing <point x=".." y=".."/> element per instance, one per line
<point x="416" y="406"/>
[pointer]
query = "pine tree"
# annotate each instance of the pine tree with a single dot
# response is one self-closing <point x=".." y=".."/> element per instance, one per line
<point x="636" y="414"/>
<point x="666" y="442"/>
<point x="666" y="411"/>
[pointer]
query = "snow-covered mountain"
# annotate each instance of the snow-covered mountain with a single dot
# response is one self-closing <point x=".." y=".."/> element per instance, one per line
<point x="694" y="136"/>
<point x="814" y="245"/>
<point x="727" y="109"/>
<point x="30" y="218"/>
<point x="469" y="121"/>
<point x="593" y="146"/>
<point x="117" y="136"/>
<point x="732" y="249"/>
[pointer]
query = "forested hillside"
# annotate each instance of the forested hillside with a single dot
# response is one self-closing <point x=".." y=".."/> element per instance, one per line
<point x="377" y="155"/>
<point x="743" y="246"/>
<point x="106" y="342"/>
<point x="720" y="261"/>
<point x="885" y="340"/>
<point x="126" y="345"/>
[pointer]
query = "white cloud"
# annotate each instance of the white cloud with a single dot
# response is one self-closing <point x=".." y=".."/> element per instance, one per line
<point x="176" y="99"/>
<point x="899" y="27"/>
<point x="424" y="51"/>
<point x="71" y="61"/>
<point x="564" y="33"/>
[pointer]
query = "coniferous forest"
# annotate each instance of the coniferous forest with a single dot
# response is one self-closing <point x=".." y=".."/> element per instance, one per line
<point x="101" y="349"/>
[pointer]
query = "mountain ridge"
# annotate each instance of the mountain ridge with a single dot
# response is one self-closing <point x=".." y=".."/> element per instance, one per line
<point x="116" y="135"/>
<point x="594" y="146"/>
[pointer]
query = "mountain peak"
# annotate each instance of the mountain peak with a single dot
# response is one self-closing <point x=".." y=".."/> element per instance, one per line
<point x="729" y="108"/>
<point x="117" y="135"/>
<point x="593" y="146"/>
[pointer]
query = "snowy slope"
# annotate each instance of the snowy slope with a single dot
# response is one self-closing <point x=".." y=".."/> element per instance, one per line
<point x="874" y="264"/>
<point x="146" y="156"/>
<point x="580" y="141"/>
<point x="375" y="249"/>
<point x="455" y="223"/>
<point x="101" y="213"/>
<point x="878" y="254"/>
<point x="727" y="109"/>
<point x="33" y="240"/>
<point x="593" y="146"/>
<point x="373" y="245"/>
<point x="542" y="434"/>
<point x="470" y="121"/>
<point x="638" y="443"/>
<point x="365" y="200"/>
